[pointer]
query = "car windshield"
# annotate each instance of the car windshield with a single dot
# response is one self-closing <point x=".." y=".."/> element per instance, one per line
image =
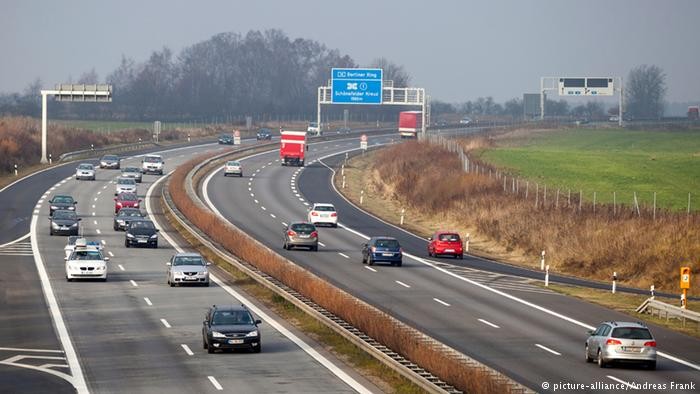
<point x="64" y="215"/>
<point x="324" y="208"/>
<point x="128" y="197"/>
<point x="449" y="237"/>
<point x="224" y="136"/>
<point x="110" y="158"/>
<point x="264" y="131"/>
<point x="631" y="333"/>
<point x="129" y="212"/>
<point x="130" y="169"/>
<point x="142" y="224"/>
<point x="233" y="163"/>
<point x="126" y="181"/>
<point x="188" y="260"/>
<point x="62" y="200"/>
<point x="149" y="159"/>
<point x="226" y="318"/>
<point x="85" y="166"/>
<point x="303" y="227"/>
<point x="86" y="255"/>
<point x="387" y="243"/>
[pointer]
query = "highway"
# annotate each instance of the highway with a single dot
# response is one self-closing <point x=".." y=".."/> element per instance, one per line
<point x="133" y="333"/>
<point x="531" y="334"/>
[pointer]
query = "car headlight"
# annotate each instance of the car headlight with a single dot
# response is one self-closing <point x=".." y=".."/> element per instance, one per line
<point x="217" y="334"/>
<point x="74" y="224"/>
<point x="177" y="273"/>
<point x="54" y="207"/>
<point x="253" y="333"/>
<point x="154" y="236"/>
<point x="55" y="225"/>
<point x="120" y="222"/>
<point x="71" y="208"/>
<point x="129" y="235"/>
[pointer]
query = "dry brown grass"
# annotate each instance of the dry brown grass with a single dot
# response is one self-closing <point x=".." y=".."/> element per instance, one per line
<point x="428" y="179"/>
<point x="380" y="326"/>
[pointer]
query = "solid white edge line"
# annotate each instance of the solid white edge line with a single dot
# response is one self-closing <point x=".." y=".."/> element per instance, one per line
<point x="187" y="350"/>
<point x="77" y="378"/>
<point x="545" y="348"/>
<point x="342" y="375"/>
<point x="215" y="383"/>
<point x="165" y="323"/>
<point x="485" y="287"/>
<point x="14" y="349"/>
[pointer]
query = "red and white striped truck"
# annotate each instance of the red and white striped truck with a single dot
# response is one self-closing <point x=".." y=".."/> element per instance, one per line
<point x="292" y="147"/>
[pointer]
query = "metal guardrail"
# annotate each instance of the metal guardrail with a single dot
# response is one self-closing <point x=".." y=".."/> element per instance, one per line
<point x="406" y="368"/>
<point x="68" y="156"/>
<point x="652" y="306"/>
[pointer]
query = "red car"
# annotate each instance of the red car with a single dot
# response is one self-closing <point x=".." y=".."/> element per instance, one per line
<point x="445" y="243"/>
<point x="126" y="200"/>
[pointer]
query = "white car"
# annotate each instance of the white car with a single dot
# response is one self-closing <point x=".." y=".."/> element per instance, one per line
<point x="85" y="171"/>
<point x="323" y="214"/>
<point x="125" y="185"/>
<point x="465" y="120"/>
<point x="233" y="167"/>
<point x="86" y="262"/>
<point x="314" y="128"/>
<point x="152" y="164"/>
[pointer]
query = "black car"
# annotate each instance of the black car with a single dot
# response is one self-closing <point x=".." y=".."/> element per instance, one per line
<point x="61" y="202"/>
<point x="126" y="215"/>
<point x="382" y="249"/>
<point x="64" y="222"/>
<point x="264" y="134"/>
<point x="110" y="161"/>
<point x="230" y="327"/>
<point x="226" y="139"/>
<point x="141" y="233"/>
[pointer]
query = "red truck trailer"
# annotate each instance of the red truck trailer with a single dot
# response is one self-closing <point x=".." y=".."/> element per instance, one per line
<point x="410" y="123"/>
<point x="292" y="147"/>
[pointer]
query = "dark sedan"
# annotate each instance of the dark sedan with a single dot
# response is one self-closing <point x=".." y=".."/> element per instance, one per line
<point x="141" y="233"/>
<point x="264" y="134"/>
<point x="126" y="215"/>
<point x="64" y="222"/>
<point x="230" y="327"/>
<point x="61" y="202"/>
<point x="382" y="249"/>
<point x="226" y="139"/>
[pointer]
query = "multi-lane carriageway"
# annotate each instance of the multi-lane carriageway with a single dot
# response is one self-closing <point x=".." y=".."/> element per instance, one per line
<point x="530" y="334"/>
<point x="135" y="334"/>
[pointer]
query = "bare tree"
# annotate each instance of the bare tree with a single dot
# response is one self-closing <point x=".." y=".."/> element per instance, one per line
<point x="392" y="72"/>
<point x="645" y="90"/>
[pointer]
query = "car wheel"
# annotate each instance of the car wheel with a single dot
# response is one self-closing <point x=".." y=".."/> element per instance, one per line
<point x="285" y="246"/>
<point x="364" y="260"/>
<point x="206" y="284"/>
<point x="399" y="264"/>
<point x="314" y="248"/>
<point x="461" y="256"/>
<point x="225" y="174"/>
<point x="204" y="344"/>
<point x="126" y="243"/>
<point x="155" y="245"/>
<point x="115" y="228"/>
<point x="370" y="261"/>
<point x="256" y="349"/>
<point x="172" y="284"/>
<point x="651" y="365"/>
<point x="210" y="350"/>
<point x="103" y="280"/>
<point x="50" y="231"/>
<point x="588" y="357"/>
<point x="430" y="254"/>
<point x="601" y="362"/>
<point x="69" y="279"/>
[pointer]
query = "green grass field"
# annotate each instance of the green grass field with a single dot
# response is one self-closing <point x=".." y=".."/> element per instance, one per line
<point x="607" y="161"/>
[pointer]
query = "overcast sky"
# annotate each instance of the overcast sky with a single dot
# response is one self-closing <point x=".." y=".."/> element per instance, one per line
<point x="456" y="49"/>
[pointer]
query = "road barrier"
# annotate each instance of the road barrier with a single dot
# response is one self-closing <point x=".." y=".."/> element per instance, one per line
<point x="652" y="306"/>
<point x="353" y="319"/>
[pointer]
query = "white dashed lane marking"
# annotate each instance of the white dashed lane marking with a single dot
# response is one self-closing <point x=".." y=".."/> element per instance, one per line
<point x="165" y="323"/>
<point x="439" y="301"/>
<point x="371" y="269"/>
<point x="148" y="301"/>
<point x="215" y="383"/>
<point x="403" y="284"/>
<point x="344" y="255"/>
<point x="133" y="283"/>
<point x="548" y="349"/>
<point x="488" y="323"/>
<point x="187" y="349"/>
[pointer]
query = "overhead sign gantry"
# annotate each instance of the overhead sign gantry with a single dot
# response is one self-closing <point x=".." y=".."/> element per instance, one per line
<point x="72" y="93"/>
<point x="581" y="86"/>
<point x="367" y="86"/>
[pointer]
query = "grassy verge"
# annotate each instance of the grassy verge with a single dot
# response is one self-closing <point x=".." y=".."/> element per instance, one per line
<point x="627" y="304"/>
<point x="379" y="374"/>
<point x="358" y="177"/>
<point x="607" y="161"/>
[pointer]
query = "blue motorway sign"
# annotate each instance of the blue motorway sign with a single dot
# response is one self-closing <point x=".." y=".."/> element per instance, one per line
<point x="356" y="85"/>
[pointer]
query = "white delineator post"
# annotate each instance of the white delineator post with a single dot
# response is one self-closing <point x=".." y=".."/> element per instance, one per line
<point x="651" y="289"/>
<point x="546" y="276"/>
<point x="542" y="262"/>
<point x="343" y="181"/>
<point x="614" y="282"/>
<point x="466" y="243"/>
<point x="403" y="212"/>
<point x="362" y="196"/>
